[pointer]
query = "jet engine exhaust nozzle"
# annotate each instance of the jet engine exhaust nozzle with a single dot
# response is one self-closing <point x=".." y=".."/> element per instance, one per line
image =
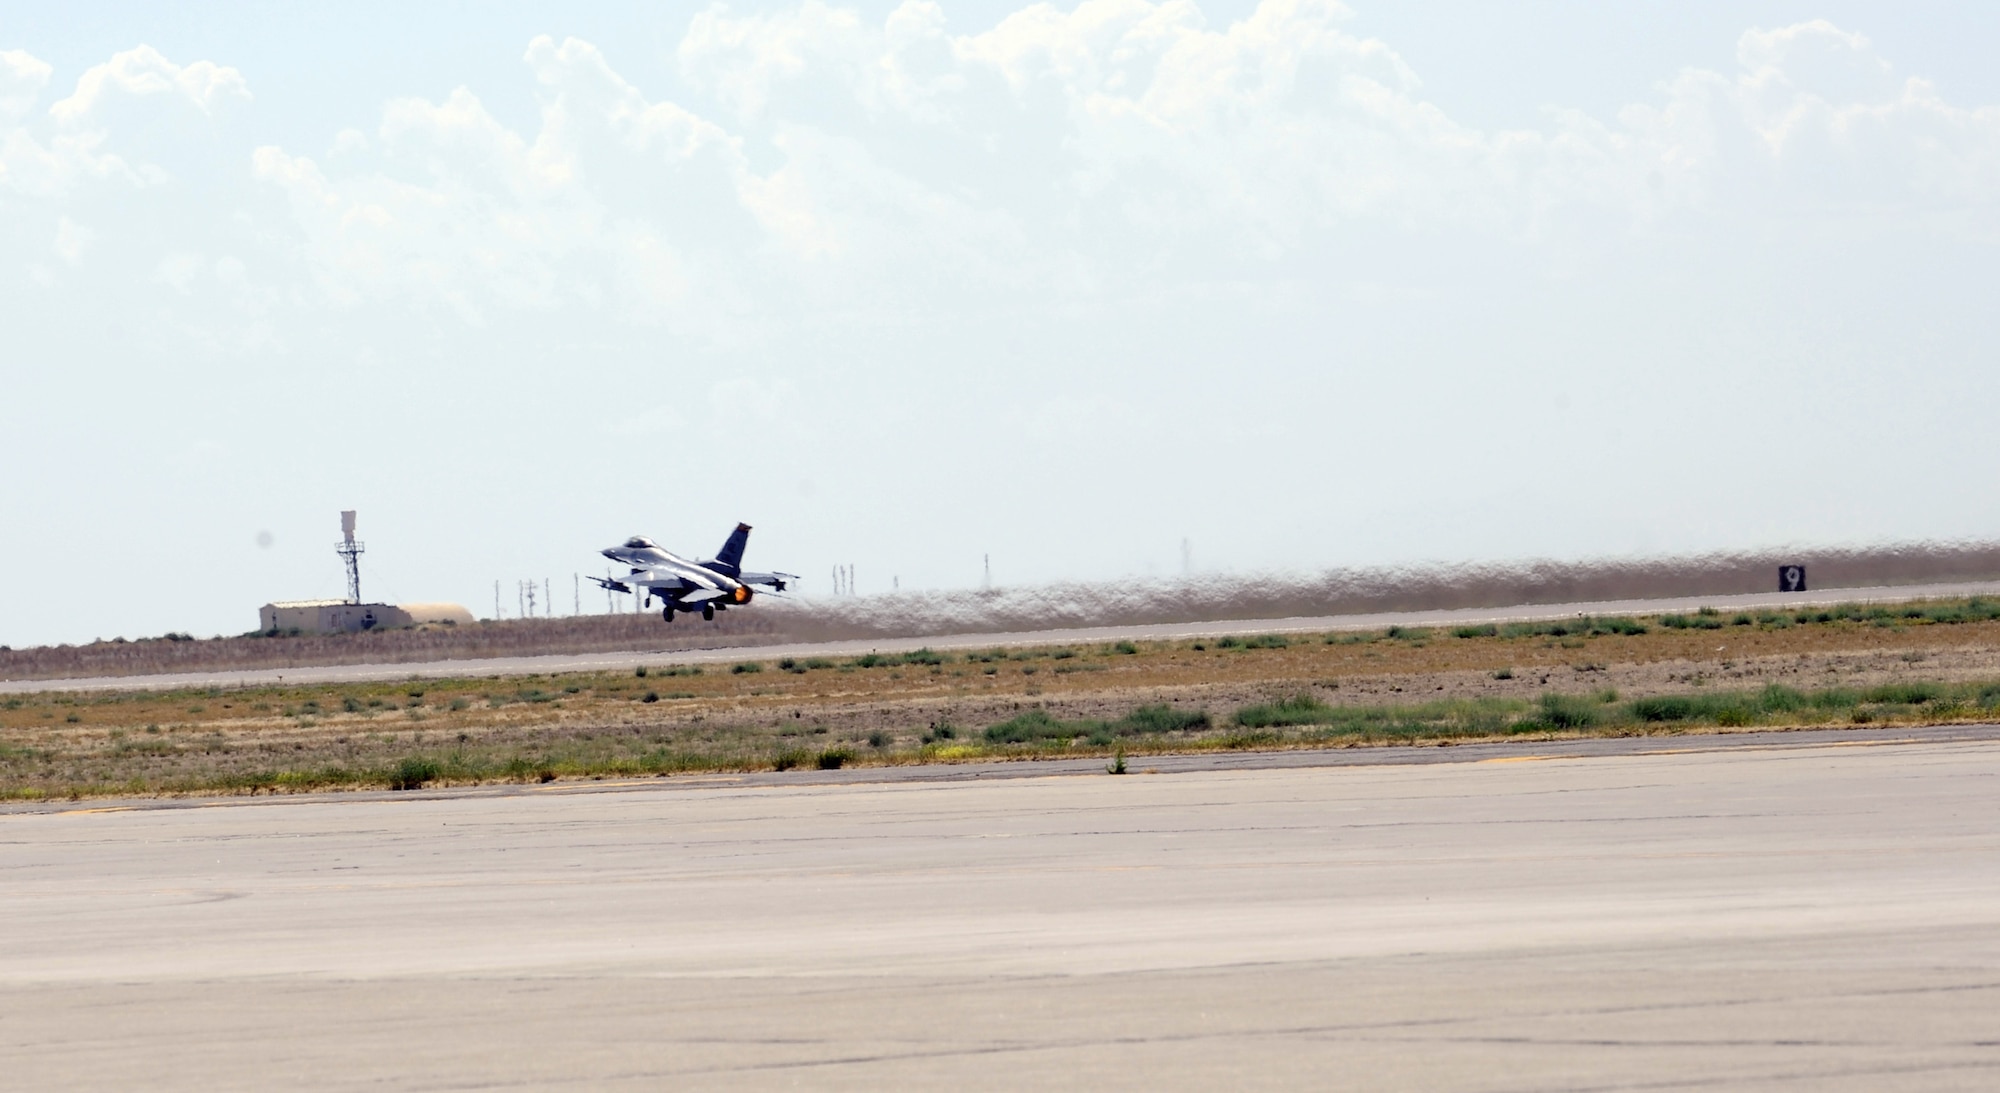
<point x="742" y="594"/>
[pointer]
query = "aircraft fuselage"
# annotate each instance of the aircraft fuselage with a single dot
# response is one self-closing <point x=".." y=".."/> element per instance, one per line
<point x="709" y="586"/>
<point x="685" y="585"/>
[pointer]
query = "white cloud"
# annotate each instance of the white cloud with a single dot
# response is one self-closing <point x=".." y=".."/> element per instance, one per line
<point x="471" y="214"/>
<point x="144" y="72"/>
<point x="180" y="270"/>
<point x="1143" y="126"/>
<point x="103" y="129"/>
<point x="1056" y="149"/>
<point x="72" y="239"/>
<point x="1819" y="59"/>
<point x="742" y="58"/>
<point x="348" y="141"/>
<point x="891" y="168"/>
<point x="22" y="78"/>
<point x="1814" y="126"/>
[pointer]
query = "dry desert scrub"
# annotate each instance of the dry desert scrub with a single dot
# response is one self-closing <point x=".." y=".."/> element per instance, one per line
<point x="1922" y="663"/>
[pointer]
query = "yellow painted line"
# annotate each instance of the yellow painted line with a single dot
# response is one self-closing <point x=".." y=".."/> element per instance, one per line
<point x="96" y="811"/>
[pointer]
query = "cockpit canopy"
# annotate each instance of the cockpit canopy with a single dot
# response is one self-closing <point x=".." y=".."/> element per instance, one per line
<point x="640" y="542"/>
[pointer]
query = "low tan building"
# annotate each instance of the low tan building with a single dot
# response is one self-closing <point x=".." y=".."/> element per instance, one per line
<point x="338" y="616"/>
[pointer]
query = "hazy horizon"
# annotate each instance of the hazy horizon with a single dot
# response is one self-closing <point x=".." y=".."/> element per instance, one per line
<point x="1304" y="285"/>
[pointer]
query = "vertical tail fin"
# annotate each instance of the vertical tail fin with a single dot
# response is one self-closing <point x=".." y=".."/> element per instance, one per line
<point x="730" y="558"/>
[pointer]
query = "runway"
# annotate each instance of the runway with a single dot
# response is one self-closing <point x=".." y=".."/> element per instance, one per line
<point x="1777" y="911"/>
<point x="627" y="661"/>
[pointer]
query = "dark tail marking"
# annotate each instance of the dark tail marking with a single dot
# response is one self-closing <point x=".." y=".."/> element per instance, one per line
<point x="730" y="558"/>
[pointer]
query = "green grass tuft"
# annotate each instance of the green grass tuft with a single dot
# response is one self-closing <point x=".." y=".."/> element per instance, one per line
<point x="1158" y="719"/>
<point x="1295" y="710"/>
<point x="1037" y="726"/>
<point x="1904" y="694"/>
<point x="1568" y="711"/>
<point x="413" y="772"/>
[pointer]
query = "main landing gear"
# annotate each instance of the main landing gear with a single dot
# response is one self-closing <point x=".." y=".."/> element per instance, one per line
<point x="708" y="612"/>
<point x="668" y="614"/>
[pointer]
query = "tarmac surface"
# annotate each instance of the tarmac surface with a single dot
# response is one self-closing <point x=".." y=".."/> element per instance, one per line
<point x="1180" y="631"/>
<point x="1743" y="911"/>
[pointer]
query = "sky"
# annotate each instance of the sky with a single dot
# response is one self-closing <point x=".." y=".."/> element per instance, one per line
<point x="912" y="285"/>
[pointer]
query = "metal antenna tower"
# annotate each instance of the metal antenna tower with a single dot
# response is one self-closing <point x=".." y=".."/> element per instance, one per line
<point x="349" y="548"/>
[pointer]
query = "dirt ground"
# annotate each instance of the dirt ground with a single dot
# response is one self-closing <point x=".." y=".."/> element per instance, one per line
<point x="885" y="709"/>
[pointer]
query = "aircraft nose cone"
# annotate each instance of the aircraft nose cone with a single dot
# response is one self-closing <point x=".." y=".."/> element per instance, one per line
<point x="610" y="553"/>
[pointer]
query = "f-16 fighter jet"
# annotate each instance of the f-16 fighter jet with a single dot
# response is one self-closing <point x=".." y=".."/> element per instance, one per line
<point x="714" y="585"/>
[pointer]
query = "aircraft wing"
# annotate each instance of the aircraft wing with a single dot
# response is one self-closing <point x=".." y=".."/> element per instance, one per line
<point x="662" y="576"/>
<point x="776" y="581"/>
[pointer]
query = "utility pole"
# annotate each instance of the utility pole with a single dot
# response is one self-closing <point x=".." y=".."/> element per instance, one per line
<point x="576" y="593"/>
<point x="987" y="584"/>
